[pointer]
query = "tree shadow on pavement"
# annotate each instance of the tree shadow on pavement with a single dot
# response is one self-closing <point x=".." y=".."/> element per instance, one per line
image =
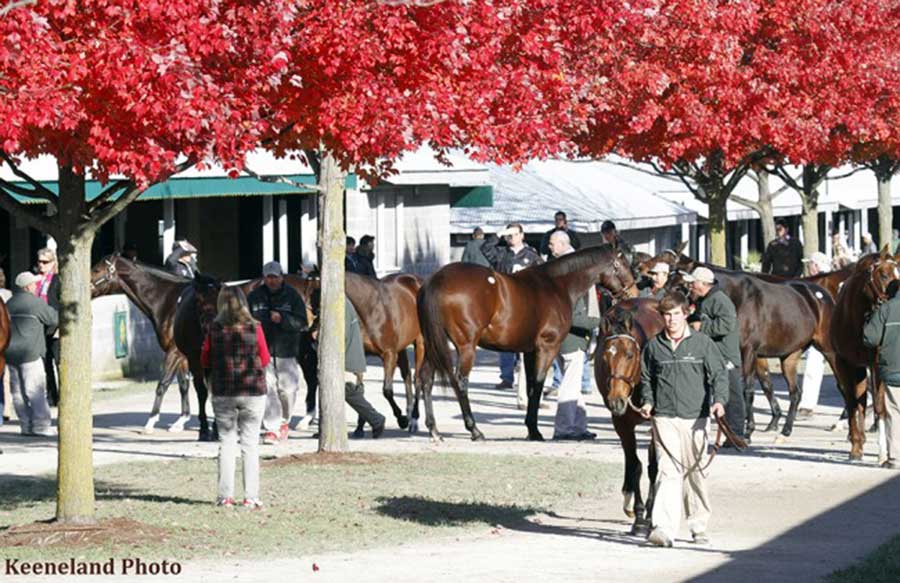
<point x="831" y="540"/>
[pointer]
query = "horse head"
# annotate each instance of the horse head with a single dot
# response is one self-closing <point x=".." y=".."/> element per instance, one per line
<point x="618" y="278"/>
<point x="206" y="295"/>
<point x="621" y="354"/>
<point x="880" y="270"/>
<point x="105" y="276"/>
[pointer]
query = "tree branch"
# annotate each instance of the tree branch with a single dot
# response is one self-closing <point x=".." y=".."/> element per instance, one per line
<point x="752" y="205"/>
<point x="32" y="216"/>
<point x="40" y="191"/>
<point x="283" y="180"/>
<point x="105" y="212"/>
<point x="848" y="174"/>
<point x="13" y="4"/>
<point x="108" y="193"/>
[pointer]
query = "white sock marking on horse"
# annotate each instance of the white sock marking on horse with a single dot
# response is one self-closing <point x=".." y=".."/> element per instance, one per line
<point x="882" y="442"/>
<point x="628" y="504"/>
<point x="178" y="426"/>
<point x="151" y="422"/>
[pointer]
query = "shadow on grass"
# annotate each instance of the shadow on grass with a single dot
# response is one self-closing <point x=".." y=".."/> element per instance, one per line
<point x="26" y="491"/>
<point x="440" y="513"/>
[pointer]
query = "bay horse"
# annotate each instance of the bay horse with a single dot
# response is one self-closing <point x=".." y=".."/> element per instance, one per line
<point x="625" y="330"/>
<point x="155" y="293"/>
<point x="194" y="312"/>
<point x="529" y="311"/>
<point x="777" y="319"/>
<point x="389" y="324"/>
<point x="861" y="294"/>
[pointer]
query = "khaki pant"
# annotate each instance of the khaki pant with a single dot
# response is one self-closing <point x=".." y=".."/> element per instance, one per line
<point x="892" y="420"/>
<point x="238" y="419"/>
<point x="571" y="415"/>
<point x="283" y="381"/>
<point x="7" y="396"/>
<point x="28" y="383"/>
<point x="678" y="494"/>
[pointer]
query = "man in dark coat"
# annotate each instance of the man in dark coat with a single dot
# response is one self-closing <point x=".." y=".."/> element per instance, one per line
<point x="784" y="254"/>
<point x="183" y="259"/>
<point x="363" y="259"/>
<point x="561" y="223"/>
<point x="472" y="253"/>
<point x="514" y="256"/>
<point x="610" y="235"/>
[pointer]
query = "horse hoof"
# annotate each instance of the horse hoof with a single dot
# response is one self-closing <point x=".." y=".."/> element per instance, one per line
<point x="413" y="426"/>
<point x="535" y="436"/>
<point x="436" y="438"/>
<point x="856" y="457"/>
<point x="403" y="421"/>
<point x="204" y="436"/>
<point x="148" y="430"/>
<point x="477" y="436"/>
<point x="773" y="426"/>
<point x="178" y="426"/>
<point x="641" y="529"/>
<point x="628" y="512"/>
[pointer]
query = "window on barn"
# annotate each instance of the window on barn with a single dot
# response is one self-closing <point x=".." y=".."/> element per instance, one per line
<point x="388" y="232"/>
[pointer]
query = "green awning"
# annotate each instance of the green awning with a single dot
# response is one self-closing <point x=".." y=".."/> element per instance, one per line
<point x="471" y="197"/>
<point x="202" y="187"/>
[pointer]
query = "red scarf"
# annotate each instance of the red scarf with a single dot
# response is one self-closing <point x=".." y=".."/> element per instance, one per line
<point x="44" y="286"/>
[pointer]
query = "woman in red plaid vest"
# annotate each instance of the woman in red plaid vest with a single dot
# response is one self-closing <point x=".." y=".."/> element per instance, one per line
<point x="235" y="356"/>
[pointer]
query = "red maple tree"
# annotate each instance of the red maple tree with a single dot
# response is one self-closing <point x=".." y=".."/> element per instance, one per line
<point x="126" y="92"/>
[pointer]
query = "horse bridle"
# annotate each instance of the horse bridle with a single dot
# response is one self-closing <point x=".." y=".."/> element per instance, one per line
<point x="110" y="273"/>
<point x="631" y="384"/>
<point x="880" y="295"/>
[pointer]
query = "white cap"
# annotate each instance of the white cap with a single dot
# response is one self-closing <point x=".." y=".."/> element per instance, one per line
<point x="701" y="274"/>
<point x="660" y="267"/>
<point x="25" y="279"/>
<point x="272" y="268"/>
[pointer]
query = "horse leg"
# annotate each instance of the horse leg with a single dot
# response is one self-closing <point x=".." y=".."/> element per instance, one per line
<point x="184" y="387"/>
<point x="789" y="370"/>
<point x="402" y="361"/>
<point x="536" y="365"/>
<point x="161" y="388"/>
<point x="466" y="361"/>
<point x="412" y="404"/>
<point x="652" y="473"/>
<point x="425" y="384"/>
<point x="852" y="382"/>
<point x="202" y="394"/>
<point x="768" y="388"/>
<point x="749" y="365"/>
<point x="632" y="502"/>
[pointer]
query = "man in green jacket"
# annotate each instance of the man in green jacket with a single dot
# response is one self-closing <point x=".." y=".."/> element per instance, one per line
<point x="683" y="378"/>
<point x="716" y="317"/>
<point x="31" y="322"/>
<point x="571" y="415"/>
<point x="882" y="331"/>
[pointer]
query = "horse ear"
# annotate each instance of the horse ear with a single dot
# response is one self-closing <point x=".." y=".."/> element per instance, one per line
<point x="681" y="247"/>
<point x="627" y="321"/>
<point x="885" y="251"/>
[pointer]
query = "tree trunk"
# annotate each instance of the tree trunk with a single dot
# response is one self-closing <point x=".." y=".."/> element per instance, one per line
<point x="885" y="211"/>
<point x="75" y="471"/>
<point x="810" y="222"/>
<point x="332" y="420"/>
<point x="718" y="219"/>
<point x="765" y="210"/>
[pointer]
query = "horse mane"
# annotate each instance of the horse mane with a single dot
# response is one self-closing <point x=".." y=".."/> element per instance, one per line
<point x="576" y="261"/>
<point x="156" y="271"/>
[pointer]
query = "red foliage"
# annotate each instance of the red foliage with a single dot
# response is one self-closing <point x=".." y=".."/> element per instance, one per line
<point x="128" y="87"/>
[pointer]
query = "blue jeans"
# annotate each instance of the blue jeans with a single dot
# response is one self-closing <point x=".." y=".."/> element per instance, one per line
<point x="586" y="376"/>
<point x="507" y="367"/>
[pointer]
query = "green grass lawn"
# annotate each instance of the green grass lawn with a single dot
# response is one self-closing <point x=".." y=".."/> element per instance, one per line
<point x="313" y="507"/>
<point x="882" y="566"/>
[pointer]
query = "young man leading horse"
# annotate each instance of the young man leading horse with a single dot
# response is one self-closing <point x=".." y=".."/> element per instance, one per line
<point x="683" y="382"/>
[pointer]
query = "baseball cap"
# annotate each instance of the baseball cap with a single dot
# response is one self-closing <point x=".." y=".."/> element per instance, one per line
<point x="701" y="274"/>
<point x="25" y="279"/>
<point x="660" y="267"/>
<point x="272" y="268"/>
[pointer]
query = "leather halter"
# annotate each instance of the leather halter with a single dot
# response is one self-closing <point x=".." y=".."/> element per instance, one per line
<point x="631" y="384"/>
<point x="109" y="276"/>
<point x="880" y="295"/>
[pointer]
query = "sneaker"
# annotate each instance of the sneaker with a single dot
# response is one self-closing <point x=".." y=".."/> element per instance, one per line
<point x="283" y="432"/>
<point x="305" y="422"/>
<point x="225" y="502"/>
<point x="891" y="465"/>
<point x="503" y="385"/>
<point x="270" y="438"/>
<point x="252" y="503"/>
<point x="659" y="538"/>
<point x="358" y="433"/>
<point x="700" y="538"/>
<point x="377" y="431"/>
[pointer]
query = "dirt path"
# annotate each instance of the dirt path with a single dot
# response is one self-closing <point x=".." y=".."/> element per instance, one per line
<point x="780" y="512"/>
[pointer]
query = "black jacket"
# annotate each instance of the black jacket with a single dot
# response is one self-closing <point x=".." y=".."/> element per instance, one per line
<point x="573" y="240"/>
<point x="174" y="265"/>
<point x="283" y="338"/>
<point x="361" y="264"/>
<point x="473" y="254"/>
<point x="784" y="258"/>
<point x="504" y="260"/>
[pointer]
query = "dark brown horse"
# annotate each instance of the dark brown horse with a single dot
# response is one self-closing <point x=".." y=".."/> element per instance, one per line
<point x="155" y="293"/>
<point x="625" y="331"/>
<point x="529" y="311"/>
<point x="861" y="293"/>
<point x="777" y="319"/>
<point x="390" y="324"/>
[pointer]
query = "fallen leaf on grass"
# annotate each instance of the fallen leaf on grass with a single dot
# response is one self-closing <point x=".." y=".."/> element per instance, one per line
<point x="315" y="568"/>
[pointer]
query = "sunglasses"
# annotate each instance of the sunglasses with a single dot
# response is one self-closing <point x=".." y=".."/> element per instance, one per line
<point x="45" y="261"/>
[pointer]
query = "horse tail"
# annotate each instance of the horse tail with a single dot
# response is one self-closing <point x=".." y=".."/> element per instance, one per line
<point x="437" y="351"/>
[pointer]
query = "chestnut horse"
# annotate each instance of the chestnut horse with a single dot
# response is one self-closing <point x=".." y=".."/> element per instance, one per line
<point x="861" y="293"/>
<point x="777" y="319"/>
<point x="155" y="293"/>
<point x="625" y="330"/>
<point x="529" y="311"/>
<point x="387" y="312"/>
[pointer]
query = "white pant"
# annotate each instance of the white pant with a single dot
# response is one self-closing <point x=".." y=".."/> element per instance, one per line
<point x="812" y="379"/>
<point x="238" y="417"/>
<point x="892" y="420"/>
<point x="283" y="381"/>
<point x="571" y="416"/>
<point x="677" y="493"/>
<point x="28" y="385"/>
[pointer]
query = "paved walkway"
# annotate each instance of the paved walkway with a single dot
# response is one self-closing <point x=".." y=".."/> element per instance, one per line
<point x="789" y="512"/>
